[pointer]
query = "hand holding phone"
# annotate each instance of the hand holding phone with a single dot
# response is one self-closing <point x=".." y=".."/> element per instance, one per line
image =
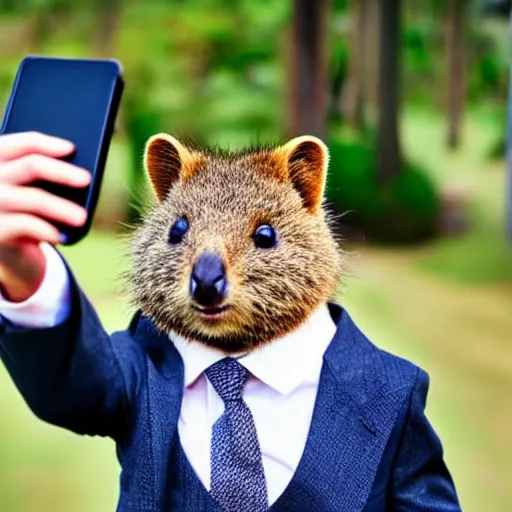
<point x="72" y="99"/>
<point x="26" y="212"/>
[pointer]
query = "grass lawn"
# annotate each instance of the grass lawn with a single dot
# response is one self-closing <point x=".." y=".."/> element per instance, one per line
<point x="447" y="306"/>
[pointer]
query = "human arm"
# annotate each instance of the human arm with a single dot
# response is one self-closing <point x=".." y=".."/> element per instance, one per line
<point x="72" y="374"/>
<point x="67" y="370"/>
<point x="50" y="304"/>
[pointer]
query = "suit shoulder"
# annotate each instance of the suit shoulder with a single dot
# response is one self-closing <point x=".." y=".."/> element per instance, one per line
<point x="143" y="342"/>
<point x="376" y="370"/>
<point x="134" y="337"/>
<point x="130" y="351"/>
<point x="393" y="370"/>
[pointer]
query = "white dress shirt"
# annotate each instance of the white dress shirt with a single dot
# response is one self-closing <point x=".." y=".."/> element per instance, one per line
<point x="51" y="303"/>
<point x="281" y="392"/>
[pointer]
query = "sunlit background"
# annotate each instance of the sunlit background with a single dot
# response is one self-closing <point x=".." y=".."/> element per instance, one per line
<point x="412" y="104"/>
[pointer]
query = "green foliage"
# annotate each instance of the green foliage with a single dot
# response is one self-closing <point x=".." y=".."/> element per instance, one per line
<point x="417" y="54"/>
<point x="209" y="80"/>
<point x="421" y="65"/>
<point x="404" y="211"/>
<point x="341" y="5"/>
<point x="488" y="64"/>
<point x="497" y="149"/>
<point x="489" y="69"/>
<point x="488" y="77"/>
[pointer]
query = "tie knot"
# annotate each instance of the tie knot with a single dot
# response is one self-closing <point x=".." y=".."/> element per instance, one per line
<point x="228" y="378"/>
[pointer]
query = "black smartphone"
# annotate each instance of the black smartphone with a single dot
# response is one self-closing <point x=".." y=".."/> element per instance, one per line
<point x="77" y="100"/>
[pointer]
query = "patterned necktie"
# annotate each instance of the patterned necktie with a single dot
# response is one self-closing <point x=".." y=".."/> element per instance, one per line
<point x="237" y="479"/>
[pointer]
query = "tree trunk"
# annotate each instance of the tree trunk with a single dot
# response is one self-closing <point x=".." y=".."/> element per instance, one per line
<point x="352" y="100"/>
<point x="388" y="143"/>
<point x="371" y="62"/>
<point x="107" y="15"/>
<point x="456" y="63"/>
<point x="43" y="25"/>
<point x="308" y="80"/>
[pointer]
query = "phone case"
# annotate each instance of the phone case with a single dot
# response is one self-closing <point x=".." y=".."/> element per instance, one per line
<point x="87" y="119"/>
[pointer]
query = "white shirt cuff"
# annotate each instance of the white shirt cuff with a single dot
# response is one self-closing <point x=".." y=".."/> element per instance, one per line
<point x="50" y="305"/>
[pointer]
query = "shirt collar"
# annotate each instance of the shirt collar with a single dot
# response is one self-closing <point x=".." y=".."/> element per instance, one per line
<point x="284" y="364"/>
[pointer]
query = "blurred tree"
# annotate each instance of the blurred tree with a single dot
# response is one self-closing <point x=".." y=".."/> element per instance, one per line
<point x="107" y="17"/>
<point x="456" y="50"/>
<point x="353" y="91"/>
<point x="46" y="16"/>
<point x="389" y="158"/>
<point x="308" y="81"/>
<point x="372" y="28"/>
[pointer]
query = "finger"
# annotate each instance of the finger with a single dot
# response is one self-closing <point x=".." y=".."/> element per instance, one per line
<point x="16" y="145"/>
<point x="33" y="167"/>
<point x="22" y="226"/>
<point x="41" y="203"/>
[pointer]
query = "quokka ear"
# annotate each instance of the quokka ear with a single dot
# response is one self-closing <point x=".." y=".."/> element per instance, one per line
<point x="306" y="160"/>
<point x="167" y="160"/>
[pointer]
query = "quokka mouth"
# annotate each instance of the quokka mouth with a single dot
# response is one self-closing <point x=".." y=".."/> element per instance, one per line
<point x="210" y="312"/>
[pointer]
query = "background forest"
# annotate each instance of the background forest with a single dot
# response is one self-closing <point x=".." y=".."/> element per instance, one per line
<point x="411" y="98"/>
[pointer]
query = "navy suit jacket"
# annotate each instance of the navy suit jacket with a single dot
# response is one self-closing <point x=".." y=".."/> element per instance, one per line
<point x="374" y="449"/>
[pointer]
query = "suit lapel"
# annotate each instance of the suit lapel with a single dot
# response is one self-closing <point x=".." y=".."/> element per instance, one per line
<point x="348" y="432"/>
<point x="355" y="442"/>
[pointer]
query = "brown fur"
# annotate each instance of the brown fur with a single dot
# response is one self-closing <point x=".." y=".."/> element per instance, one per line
<point x="225" y="197"/>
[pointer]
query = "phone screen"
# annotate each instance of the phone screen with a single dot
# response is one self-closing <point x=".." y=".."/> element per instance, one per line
<point x="73" y="99"/>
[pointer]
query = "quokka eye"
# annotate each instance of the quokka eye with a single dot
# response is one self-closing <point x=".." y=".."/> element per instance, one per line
<point x="265" y="237"/>
<point x="178" y="231"/>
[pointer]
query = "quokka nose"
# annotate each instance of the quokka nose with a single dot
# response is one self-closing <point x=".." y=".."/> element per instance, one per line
<point x="208" y="282"/>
